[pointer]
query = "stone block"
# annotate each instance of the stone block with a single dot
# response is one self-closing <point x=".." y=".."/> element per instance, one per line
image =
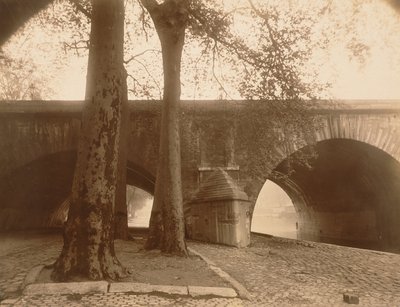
<point x="241" y="290"/>
<point x="196" y="291"/>
<point x="174" y="290"/>
<point x="67" y="288"/>
<point x="32" y="275"/>
<point x="350" y="298"/>
<point x="130" y="287"/>
<point x="147" y="288"/>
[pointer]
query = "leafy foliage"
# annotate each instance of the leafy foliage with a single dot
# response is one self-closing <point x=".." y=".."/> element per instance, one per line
<point x="272" y="55"/>
<point x="19" y="80"/>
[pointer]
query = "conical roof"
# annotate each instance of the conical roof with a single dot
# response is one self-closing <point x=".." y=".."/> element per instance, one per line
<point x="219" y="186"/>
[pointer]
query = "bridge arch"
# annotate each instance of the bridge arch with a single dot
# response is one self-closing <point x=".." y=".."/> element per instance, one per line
<point x="139" y="177"/>
<point x="378" y="128"/>
<point x="31" y="193"/>
<point x="35" y="195"/>
<point x="375" y="124"/>
<point x="349" y="196"/>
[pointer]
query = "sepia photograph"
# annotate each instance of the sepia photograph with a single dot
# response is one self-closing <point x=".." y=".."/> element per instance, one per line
<point x="199" y="153"/>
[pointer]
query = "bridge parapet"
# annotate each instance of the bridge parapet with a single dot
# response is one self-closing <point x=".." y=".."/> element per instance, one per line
<point x="75" y="106"/>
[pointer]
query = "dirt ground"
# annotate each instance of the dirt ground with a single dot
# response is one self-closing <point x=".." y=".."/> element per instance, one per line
<point x="155" y="268"/>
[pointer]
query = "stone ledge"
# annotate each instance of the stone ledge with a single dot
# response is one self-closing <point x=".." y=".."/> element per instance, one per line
<point x="32" y="288"/>
<point x="177" y="290"/>
<point x="67" y="288"/>
<point x="126" y="287"/>
<point x="207" y="260"/>
<point x="196" y="291"/>
<point x="193" y="291"/>
<point x="243" y="293"/>
<point x="147" y="288"/>
<point x="32" y="275"/>
<point x="241" y="290"/>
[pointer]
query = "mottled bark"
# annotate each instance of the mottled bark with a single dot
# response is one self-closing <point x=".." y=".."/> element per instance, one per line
<point x="88" y="249"/>
<point x="121" y="209"/>
<point x="167" y="220"/>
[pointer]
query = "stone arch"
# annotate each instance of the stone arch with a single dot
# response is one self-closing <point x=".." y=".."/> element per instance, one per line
<point x="30" y="194"/>
<point x="140" y="177"/>
<point x="373" y="128"/>
<point x="349" y="196"/>
<point x="29" y="134"/>
<point x="136" y="176"/>
<point x="35" y="195"/>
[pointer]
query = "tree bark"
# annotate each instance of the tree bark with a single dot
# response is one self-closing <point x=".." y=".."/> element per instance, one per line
<point x="167" y="220"/>
<point x="88" y="249"/>
<point x="121" y="209"/>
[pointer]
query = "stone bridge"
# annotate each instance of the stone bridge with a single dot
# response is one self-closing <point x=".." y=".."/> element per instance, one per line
<point x="350" y="195"/>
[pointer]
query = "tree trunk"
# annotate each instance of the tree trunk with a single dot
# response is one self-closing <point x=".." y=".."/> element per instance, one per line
<point x="121" y="209"/>
<point x="88" y="249"/>
<point x="167" y="221"/>
<point x="14" y="13"/>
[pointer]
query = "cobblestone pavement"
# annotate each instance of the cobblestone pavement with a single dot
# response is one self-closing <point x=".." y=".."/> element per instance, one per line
<point x="120" y="299"/>
<point x="19" y="252"/>
<point x="289" y="272"/>
<point x="277" y="272"/>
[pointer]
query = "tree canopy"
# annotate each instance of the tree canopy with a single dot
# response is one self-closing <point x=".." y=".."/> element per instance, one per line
<point x="340" y="22"/>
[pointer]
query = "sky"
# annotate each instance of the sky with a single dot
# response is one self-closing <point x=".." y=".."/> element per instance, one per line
<point x="379" y="76"/>
<point x="375" y="75"/>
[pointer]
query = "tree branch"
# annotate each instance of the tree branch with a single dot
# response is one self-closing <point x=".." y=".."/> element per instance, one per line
<point x="81" y="8"/>
<point x="215" y="51"/>
<point x="241" y="8"/>
<point x="150" y="75"/>
<point x="141" y="53"/>
<point x="242" y="52"/>
<point x="265" y="17"/>
<point x="145" y="23"/>
<point x="150" y="5"/>
<point x="195" y="68"/>
<point x="76" y="45"/>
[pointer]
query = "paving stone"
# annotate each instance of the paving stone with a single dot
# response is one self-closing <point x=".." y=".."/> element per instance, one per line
<point x="11" y="288"/>
<point x="8" y="302"/>
<point x="196" y="291"/>
<point x="67" y="288"/>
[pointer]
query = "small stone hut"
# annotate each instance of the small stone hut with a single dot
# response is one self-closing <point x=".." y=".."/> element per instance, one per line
<point x="219" y="212"/>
